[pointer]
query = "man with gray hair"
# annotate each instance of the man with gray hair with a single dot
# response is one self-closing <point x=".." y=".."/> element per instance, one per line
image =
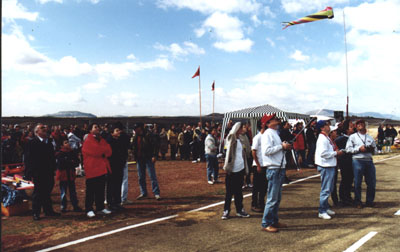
<point x="40" y="165"/>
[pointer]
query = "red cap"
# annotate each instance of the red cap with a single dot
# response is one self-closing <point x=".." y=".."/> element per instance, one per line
<point x="266" y="118"/>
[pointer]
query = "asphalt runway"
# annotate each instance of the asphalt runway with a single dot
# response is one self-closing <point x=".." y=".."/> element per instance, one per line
<point x="204" y="230"/>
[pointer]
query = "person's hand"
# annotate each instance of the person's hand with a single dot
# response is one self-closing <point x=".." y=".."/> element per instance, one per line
<point x="259" y="169"/>
<point x="339" y="152"/>
<point x="153" y="159"/>
<point x="363" y="149"/>
<point x="286" y="146"/>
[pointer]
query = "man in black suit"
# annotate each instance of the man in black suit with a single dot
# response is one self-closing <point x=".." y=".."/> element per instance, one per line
<point x="40" y="165"/>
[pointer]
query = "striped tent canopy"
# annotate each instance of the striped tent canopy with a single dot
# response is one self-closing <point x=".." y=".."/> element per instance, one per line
<point x="255" y="113"/>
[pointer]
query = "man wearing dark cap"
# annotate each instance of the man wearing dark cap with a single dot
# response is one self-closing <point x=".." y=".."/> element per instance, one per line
<point x="362" y="146"/>
<point x="272" y="150"/>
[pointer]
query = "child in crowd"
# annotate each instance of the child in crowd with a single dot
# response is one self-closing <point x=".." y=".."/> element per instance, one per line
<point x="67" y="160"/>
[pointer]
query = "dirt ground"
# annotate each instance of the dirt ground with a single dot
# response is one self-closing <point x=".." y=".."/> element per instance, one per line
<point x="183" y="187"/>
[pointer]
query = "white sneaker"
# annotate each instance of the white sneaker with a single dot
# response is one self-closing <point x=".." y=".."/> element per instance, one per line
<point x="90" y="214"/>
<point x="105" y="211"/>
<point x="330" y="212"/>
<point x="210" y="182"/>
<point x="324" y="216"/>
<point x="158" y="197"/>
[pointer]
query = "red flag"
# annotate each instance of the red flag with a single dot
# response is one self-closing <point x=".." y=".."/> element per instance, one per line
<point x="213" y="86"/>
<point x="197" y="73"/>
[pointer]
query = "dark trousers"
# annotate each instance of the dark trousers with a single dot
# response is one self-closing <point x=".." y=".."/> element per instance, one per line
<point x="334" y="195"/>
<point x="95" y="188"/>
<point x="173" y="151"/>
<point x="114" y="186"/>
<point x="346" y="172"/>
<point x="260" y="188"/>
<point x="233" y="184"/>
<point x="251" y="170"/>
<point x="70" y="186"/>
<point x="41" y="196"/>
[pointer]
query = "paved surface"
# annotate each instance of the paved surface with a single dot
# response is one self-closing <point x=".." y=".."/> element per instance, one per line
<point x="205" y="231"/>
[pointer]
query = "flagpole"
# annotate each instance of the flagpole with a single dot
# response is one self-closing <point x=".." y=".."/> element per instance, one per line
<point x="347" y="70"/>
<point x="200" y="98"/>
<point x="213" y="101"/>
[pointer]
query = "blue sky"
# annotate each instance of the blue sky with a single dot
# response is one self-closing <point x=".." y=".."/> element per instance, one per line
<point x="137" y="57"/>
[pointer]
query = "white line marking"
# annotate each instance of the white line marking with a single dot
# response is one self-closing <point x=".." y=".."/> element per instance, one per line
<point x="387" y="159"/>
<point x="162" y="219"/>
<point x="360" y="242"/>
<point x="397" y="213"/>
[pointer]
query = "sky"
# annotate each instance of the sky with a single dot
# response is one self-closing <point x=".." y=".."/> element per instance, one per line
<point x="137" y="57"/>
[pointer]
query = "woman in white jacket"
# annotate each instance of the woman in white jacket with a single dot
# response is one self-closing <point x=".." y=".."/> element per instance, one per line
<point x="325" y="159"/>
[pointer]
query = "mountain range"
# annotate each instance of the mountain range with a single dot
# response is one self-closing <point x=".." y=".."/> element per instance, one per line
<point x="71" y="114"/>
<point x="328" y="112"/>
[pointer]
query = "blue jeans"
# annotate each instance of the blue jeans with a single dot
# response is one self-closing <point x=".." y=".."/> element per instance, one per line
<point x="364" y="168"/>
<point x="64" y="186"/>
<point x="212" y="166"/>
<point x="124" y="189"/>
<point x="141" y="167"/>
<point x="275" y="179"/>
<point x="327" y="177"/>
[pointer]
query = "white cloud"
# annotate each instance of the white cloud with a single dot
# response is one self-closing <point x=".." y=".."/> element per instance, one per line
<point x="299" y="56"/>
<point x="34" y="95"/>
<point x="211" y="6"/>
<point x="240" y="45"/>
<point x="48" y="1"/>
<point x="255" y="20"/>
<point x="189" y="99"/>
<point x="127" y="99"/>
<point x="271" y="42"/>
<point x="100" y="36"/>
<point x="94" y="87"/>
<point x="296" y="6"/>
<point x="385" y="17"/>
<point x="229" y="32"/>
<point x="11" y="10"/>
<point x="131" y="56"/>
<point x="21" y="56"/>
<point x="177" y="51"/>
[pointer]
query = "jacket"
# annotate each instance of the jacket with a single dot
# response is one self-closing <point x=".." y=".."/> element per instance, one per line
<point x="95" y="156"/>
<point x="272" y="150"/>
<point x="144" y="147"/>
<point x="325" y="154"/>
<point x="231" y="144"/>
<point x="357" y="140"/>
<point x="40" y="161"/>
<point x="66" y="160"/>
<point x="119" y="154"/>
<point x="210" y="147"/>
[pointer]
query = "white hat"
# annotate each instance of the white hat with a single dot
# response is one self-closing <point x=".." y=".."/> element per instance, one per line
<point x="334" y="127"/>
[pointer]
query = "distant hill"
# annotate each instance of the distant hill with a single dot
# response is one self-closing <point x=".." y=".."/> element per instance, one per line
<point x="71" y="114"/>
<point x="328" y="112"/>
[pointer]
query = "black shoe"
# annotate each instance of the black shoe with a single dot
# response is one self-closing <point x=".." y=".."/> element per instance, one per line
<point x="358" y="205"/>
<point x="370" y="204"/>
<point x="36" y="217"/>
<point x="78" y="209"/>
<point x="52" y="214"/>
<point x="63" y="210"/>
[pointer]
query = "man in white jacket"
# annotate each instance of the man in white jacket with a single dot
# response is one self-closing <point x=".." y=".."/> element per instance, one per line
<point x="210" y="148"/>
<point x="325" y="159"/>
<point x="272" y="150"/>
<point x="362" y="146"/>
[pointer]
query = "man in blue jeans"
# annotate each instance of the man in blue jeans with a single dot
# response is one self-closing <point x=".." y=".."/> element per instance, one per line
<point x="272" y="150"/>
<point x="145" y="153"/>
<point x="362" y="146"/>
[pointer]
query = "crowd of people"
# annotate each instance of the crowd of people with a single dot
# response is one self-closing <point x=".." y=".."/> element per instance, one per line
<point x="257" y="161"/>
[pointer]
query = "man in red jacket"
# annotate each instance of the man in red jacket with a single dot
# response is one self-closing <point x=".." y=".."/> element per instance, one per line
<point x="96" y="152"/>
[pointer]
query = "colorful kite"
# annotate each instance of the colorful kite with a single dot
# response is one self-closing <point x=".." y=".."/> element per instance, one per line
<point x="327" y="13"/>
